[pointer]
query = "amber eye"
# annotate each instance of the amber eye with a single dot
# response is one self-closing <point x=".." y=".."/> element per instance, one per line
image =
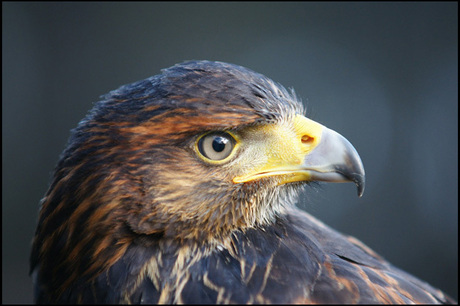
<point x="216" y="146"/>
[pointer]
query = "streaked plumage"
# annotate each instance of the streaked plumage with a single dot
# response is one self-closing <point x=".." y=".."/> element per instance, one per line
<point x="138" y="213"/>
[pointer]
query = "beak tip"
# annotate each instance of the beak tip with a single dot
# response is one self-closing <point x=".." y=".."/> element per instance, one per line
<point x="360" y="191"/>
<point x="360" y="183"/>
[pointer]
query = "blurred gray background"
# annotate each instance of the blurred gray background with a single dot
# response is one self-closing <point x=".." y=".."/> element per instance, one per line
<point x="384" y="75"/>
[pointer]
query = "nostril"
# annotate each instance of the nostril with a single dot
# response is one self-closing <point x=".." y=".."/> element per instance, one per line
<point x="307" y="139"/>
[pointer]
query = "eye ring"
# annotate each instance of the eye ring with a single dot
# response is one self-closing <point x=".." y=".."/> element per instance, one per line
<point x="216" y="147"/>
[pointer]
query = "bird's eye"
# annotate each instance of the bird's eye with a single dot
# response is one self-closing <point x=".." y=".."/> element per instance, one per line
<point x="216" y="146"/>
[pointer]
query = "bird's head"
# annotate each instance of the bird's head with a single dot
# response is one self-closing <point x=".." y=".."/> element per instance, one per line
<point x="201" y="150"/>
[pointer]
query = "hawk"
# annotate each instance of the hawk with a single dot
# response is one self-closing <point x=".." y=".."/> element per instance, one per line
<point x="181" y="188"/>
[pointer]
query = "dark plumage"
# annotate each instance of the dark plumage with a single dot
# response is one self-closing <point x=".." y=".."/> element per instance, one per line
<point x="182" y="188"/>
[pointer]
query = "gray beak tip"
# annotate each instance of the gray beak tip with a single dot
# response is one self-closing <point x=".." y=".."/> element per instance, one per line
<point x="360" y="183"/>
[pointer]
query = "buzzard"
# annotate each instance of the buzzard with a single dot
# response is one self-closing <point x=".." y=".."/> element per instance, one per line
<point x="181" y="188"/>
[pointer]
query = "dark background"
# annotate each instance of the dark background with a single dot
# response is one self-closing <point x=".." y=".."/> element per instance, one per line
<point x="384" y="75"/>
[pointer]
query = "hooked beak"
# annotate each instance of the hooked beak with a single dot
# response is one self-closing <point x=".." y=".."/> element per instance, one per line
<point x="308" y="152"/>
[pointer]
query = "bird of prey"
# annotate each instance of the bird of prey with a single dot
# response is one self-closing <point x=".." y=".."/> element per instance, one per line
<point x="181" y="188"/>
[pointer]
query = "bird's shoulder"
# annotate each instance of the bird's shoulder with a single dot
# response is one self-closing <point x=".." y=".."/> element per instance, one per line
<point x="295" y="259"/>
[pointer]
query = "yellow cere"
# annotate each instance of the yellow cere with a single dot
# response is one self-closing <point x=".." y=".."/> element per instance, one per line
<point x="283" y="149"/>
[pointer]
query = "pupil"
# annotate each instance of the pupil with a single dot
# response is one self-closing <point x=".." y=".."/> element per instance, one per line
<point x="219" y="144"/>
